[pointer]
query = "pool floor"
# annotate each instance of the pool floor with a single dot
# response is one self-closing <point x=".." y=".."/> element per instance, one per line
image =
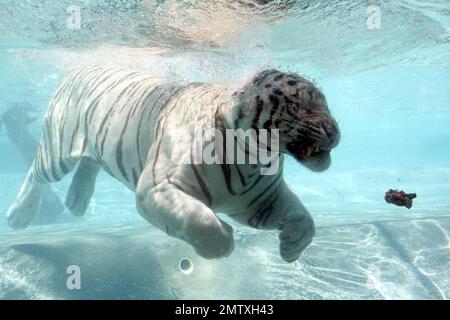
<point x="404" y="259"/>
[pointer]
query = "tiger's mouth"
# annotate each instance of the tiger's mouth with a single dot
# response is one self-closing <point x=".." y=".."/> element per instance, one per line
<point x="310" y="151"/>
<point x="314" y="157"/>
<point x="304" y="152"/>
<point x="313" y="151"/>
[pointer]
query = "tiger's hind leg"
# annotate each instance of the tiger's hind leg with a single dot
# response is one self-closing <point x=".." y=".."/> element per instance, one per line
<point x="47" y="167"/>
<point x="27" y="203"/>
<point x="82" y="186"/>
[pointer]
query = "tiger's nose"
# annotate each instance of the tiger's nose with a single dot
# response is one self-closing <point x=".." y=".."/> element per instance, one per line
<point x="332" y="133"/>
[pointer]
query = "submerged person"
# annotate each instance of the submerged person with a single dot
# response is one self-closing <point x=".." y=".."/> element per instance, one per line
<point x="16" y="120"/>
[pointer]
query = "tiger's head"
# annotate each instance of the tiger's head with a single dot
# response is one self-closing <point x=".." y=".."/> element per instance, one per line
<point x="288" y="102"/>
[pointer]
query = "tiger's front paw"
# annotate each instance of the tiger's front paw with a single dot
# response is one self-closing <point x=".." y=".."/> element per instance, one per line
<point x="211" y="239"/>
<point x="296" y="235"/>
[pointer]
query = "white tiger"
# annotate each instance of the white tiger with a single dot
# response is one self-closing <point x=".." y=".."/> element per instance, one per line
<point x="122" y="121"/>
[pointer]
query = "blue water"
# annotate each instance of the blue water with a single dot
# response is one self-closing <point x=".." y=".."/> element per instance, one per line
<point x="388" y="88"/>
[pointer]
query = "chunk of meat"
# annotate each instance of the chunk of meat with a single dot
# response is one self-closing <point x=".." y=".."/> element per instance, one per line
<point x="400" y="198"/>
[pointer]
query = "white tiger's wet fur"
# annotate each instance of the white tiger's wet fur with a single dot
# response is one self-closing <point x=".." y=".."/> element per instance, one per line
<point x="124" y="121"/>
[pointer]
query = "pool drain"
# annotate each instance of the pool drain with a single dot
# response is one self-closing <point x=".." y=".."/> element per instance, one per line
<point x="186" y="266"/>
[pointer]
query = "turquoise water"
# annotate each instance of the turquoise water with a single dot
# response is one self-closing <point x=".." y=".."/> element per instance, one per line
<point x="387" y="87"/>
